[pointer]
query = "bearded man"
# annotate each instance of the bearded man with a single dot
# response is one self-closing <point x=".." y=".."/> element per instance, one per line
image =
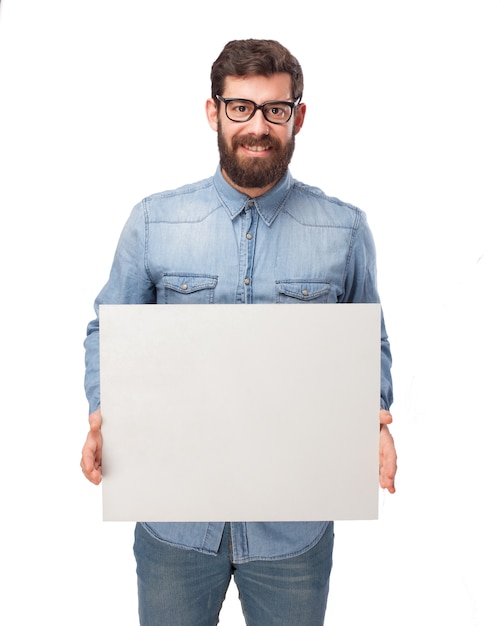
<point x="250" y="234"/>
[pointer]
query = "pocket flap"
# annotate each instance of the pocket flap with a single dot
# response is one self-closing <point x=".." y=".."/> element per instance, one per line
<point x="189" y="283"/>
<point x="303" y="289"/>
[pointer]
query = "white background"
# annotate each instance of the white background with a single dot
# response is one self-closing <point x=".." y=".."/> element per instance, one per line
<point x="102" y="103"/>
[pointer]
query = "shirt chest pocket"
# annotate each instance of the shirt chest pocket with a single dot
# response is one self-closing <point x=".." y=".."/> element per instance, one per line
<point x="302" y="292"/>
<point x="188" y="288"/>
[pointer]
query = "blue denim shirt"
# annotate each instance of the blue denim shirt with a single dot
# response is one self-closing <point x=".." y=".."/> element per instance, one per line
<point x="208" y="243"/>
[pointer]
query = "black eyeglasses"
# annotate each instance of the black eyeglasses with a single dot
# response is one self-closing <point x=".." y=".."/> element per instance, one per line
<point x="274" y="111"/>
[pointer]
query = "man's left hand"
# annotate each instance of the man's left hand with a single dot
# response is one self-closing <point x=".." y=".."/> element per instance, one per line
<point x="387" y="453"/>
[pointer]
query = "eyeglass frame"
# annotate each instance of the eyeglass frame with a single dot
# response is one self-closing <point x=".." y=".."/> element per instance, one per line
<point x="257" y="107"/>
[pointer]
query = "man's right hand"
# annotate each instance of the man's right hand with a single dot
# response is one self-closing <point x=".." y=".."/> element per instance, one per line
<point x="91" y="452"/>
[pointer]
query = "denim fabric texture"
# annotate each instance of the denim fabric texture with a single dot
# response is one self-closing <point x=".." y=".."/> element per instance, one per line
<point x="208" y="243"/>
<point x="184" y="587"/>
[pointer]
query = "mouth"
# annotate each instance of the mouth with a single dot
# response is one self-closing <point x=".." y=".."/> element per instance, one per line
<point x="257" y="148"/>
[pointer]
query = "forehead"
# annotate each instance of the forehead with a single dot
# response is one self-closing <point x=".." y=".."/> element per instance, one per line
<point x="259" y="88"/>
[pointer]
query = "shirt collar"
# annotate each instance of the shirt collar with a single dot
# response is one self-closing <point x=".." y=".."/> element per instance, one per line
<point x="268" y="205"/>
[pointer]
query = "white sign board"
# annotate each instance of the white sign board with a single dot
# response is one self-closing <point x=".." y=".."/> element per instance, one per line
<point x="240" y="413"/>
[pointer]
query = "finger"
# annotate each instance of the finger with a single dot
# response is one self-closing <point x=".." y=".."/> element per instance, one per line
<point x="91" y="458"/>
<point x="88" y="461"/>
<point x="91" y="467"/>
<point x="387" y="460"/>
<point x="387" y="473"/>
<point x="388" y="484"/>
<point x="94" y="477"/>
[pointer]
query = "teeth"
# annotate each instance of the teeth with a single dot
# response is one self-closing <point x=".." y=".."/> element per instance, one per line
<point x="257" y="148"/>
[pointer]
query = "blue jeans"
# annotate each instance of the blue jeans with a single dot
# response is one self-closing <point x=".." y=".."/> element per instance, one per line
<point x="178" y="587"/>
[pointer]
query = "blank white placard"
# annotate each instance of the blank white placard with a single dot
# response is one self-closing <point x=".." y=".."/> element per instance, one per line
<point x="240" y="413"/>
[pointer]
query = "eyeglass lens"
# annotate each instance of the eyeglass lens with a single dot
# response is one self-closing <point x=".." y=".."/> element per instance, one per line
<point x="243" y="110"/>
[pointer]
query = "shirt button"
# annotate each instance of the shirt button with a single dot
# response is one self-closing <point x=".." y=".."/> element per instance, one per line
<point x="247" y="281"/>
<point x="249" y="235"/>
<point x="251" y="204"/>
<point x="184" y="287"/>
<point x="305" y="292"/>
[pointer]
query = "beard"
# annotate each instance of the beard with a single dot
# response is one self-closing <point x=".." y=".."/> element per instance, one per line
<point x="249" y="172"/>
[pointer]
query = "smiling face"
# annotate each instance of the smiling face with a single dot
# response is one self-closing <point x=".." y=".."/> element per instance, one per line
<point x="255" y="154"/>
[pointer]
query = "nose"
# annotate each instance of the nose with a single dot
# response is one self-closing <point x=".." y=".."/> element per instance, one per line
<point x="258" y="124"/>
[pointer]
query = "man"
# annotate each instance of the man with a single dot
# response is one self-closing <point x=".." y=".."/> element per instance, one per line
<point x="249" y="234"/>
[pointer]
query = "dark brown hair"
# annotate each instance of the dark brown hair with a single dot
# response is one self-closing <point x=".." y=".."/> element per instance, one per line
<point x="255" y="57"/>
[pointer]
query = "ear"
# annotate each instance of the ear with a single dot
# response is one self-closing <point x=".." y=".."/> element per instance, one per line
<point x="299" y="117"/>
<point x="212" y="113"/>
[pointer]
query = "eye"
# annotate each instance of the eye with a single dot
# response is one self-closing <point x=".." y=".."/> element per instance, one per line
<point x="277" y="111"/>
<point x="240" y="108"/>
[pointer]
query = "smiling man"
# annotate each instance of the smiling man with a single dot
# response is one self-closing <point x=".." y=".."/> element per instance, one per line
<point x="255" y="150"/>
<point x="250" y="234"/>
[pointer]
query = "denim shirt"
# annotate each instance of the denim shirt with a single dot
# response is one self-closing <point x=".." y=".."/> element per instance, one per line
<point x="208" y="243"/>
